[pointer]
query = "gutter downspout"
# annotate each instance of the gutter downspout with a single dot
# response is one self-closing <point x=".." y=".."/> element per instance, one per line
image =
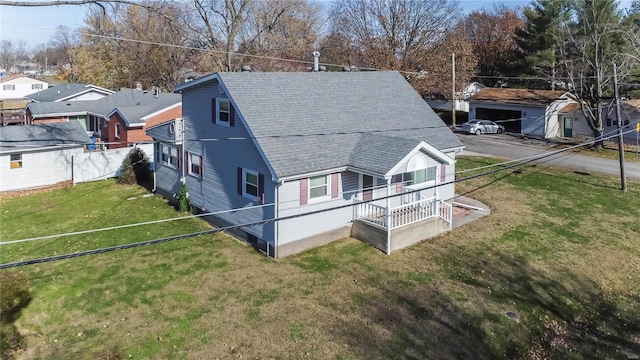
<point x="388" y="216"/>
<point x="276" y="213"/>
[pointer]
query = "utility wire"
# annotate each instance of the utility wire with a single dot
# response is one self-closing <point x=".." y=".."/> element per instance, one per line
<point x="261" y="222"/>
<point x="222" y="52"/>
<point x="532" y="158"/>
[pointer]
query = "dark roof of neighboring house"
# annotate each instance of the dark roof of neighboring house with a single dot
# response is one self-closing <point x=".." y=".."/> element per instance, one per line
<point x="30" y="137"/>
<point x="570" y="108"/>
<point x="308" y="122"/>
<point x="135" y="101"/>
<point x="633" y="103"/>
<point x="64" y="91"/>
<point x="517" y="96"/>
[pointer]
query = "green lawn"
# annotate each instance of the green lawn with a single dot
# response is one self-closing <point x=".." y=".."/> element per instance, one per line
<point x="560" y="250"/>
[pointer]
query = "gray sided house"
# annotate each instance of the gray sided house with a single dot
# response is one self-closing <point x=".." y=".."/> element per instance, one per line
<point x="169" y="172"/>
<point x="33" y="156"/>
<point x="323" y="153"/>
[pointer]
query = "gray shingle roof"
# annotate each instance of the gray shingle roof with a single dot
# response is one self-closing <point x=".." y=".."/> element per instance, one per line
<point x="131" y="99"/>
<point x="61" y="92"/>
<point x="307" y="122"/>
<point x="30" y="137"/>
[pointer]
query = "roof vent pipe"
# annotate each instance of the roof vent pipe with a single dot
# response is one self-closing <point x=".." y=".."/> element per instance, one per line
<point x="316" y="63"/>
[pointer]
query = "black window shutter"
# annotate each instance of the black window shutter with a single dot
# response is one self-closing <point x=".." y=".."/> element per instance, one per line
<point x="232" y="115"/>
<point x="186" y="162"/>
<point x="239" y="181"/>
<point x="213" y="110"/>
<point x="261" y="188"/>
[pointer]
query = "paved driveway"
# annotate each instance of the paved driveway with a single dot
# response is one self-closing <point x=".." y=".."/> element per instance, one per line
<point x="509" y="147"/>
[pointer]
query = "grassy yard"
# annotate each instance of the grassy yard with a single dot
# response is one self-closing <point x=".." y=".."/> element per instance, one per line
<point x="609" y="151"/>
<point x="560" y="253"/>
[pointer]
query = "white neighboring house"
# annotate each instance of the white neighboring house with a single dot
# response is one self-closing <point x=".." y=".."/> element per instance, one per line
<point x="530" y="112"/>
<point x="629" y="114"/>
<point x="33" y="156"/>
<point x="462" y="103"/>
<point x="19" y="86"/>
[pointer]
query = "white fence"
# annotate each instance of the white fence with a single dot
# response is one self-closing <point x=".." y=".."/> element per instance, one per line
<point x="100" y="165"/>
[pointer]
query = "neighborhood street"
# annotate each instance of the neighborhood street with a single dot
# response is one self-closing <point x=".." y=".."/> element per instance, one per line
<point x="506" y="146"/>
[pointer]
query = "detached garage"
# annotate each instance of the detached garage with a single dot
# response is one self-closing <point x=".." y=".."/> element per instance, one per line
<point x="33" y="156"/>
<point x="524" y="111"/>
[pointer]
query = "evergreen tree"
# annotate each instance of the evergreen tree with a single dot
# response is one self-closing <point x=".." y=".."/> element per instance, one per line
<point x="542" y="40"/>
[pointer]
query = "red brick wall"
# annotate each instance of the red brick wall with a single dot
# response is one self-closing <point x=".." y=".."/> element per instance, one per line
<point x="114" y="142"/>
<point x="49" y="120"/>
<point x="128" y="136"/>
<point x="170" y="114"/>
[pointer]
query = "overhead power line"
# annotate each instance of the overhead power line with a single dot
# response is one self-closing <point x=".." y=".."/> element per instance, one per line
<point x="305" y="62"/>
<point x="265" y="221"/>
<point x="533" y="157"/>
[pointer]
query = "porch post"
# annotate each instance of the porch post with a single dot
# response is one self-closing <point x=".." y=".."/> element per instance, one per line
<point x="388" y="216"/>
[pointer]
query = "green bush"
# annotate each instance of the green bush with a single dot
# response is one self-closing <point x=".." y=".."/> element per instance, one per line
<point x="135" y="168"/>
<point x="14" y="296"/>
<point x="184" y="204"/>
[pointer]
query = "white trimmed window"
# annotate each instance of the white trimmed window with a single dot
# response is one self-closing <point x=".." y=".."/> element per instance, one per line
<point x="318" y="187"/>
<point x="250" y="184"/>
<point x="117" y="134"/>
<point x="223" y="114"/>
<point x="195" y="165"/>
<point x="169" y="155"/>
<point x="8" y="87"/>
<point x="36" y="86"/>
<point x="419" y="176"/>
<point x="16" y="161"/>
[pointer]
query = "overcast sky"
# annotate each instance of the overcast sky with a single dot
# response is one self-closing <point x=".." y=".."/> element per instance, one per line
<point x="36" y="25"/>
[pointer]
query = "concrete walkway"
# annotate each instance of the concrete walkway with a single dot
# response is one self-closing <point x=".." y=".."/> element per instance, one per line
<point x="468" y="210"/>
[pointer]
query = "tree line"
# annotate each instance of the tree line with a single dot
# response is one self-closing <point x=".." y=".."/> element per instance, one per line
<point x="549" y="44"/>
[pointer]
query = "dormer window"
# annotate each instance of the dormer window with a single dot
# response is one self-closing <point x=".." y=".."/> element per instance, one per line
<point x="222" y="112"/>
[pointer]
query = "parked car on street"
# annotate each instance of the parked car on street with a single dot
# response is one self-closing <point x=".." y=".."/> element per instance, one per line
<point x="482" y="127"/>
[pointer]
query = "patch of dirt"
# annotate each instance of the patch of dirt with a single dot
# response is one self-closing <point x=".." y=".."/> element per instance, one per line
<point x="15" y="194"/>
<point x="459" y="211"/>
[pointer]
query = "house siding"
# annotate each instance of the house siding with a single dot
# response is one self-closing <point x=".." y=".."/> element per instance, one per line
<point x="299" y="228"/>
<point x="218" y="190"/>
<point x="93" y="95"/>
<point x="39" y="169"/>
<point x="350" y="186"/>
<point x="554" y="127"/>
<point x="22" y="87"/>
<point x="167" y="177"/>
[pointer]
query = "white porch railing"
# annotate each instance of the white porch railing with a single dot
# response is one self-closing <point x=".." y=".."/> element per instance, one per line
<point x="446" y="213"/>
<point x="405" y="214"/>
<point x="371" y="212"/>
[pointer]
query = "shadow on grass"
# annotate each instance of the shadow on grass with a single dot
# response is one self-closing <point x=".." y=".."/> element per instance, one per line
<point x="465" y="317"/>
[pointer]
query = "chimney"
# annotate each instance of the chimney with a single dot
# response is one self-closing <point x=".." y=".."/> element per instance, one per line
<point x="137" y="85"/>
<point x="316" y="61"/>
